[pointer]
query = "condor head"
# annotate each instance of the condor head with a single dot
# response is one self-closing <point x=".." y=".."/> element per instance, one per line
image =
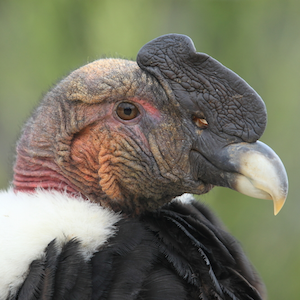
<point x="132" y="136"/>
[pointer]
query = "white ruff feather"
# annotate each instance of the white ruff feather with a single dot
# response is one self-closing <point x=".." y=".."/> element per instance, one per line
<point x="185" y="198"/>
<point x="29" y="222"/>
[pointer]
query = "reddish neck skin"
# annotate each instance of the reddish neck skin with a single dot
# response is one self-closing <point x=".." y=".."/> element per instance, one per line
<point x="36" y="174"/>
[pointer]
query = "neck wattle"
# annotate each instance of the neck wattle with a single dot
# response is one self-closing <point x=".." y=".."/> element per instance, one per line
<point x="33" y="173"/>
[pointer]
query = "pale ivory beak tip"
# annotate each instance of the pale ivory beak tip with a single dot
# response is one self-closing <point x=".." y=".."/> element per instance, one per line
<point x="261" y="174"/>
<point x="278" y="204"/>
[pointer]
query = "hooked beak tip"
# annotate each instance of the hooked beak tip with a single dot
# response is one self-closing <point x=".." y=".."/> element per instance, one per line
<point x="261" y="173"/>
<point x="278" y="204"/>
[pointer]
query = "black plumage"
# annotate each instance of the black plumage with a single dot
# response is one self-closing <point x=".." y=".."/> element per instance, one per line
<point x="177" y="252"/>
<point x="58" y="275"/>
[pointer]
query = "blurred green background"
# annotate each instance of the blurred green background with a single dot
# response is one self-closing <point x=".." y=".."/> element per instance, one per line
<point x="42" y="41"/>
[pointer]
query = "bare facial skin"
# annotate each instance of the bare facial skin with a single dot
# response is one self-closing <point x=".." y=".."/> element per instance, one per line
<point x="132" y="136"/>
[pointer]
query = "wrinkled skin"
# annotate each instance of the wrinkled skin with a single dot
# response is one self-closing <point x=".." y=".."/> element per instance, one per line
<point x="135" y="163"/>
<point x="191" y="110"/>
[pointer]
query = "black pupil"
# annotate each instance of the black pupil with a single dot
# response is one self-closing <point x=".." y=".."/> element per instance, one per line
<point x="127" y="111"/>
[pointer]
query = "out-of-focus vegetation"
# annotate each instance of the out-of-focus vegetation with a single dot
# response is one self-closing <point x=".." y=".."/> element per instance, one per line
<point x="41" y="41"/>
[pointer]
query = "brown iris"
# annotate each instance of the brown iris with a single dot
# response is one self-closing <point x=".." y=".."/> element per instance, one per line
<point x="127" y="111"/>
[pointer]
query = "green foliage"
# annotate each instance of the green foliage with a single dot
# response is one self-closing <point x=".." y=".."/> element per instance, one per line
<point x="42" y="41"/>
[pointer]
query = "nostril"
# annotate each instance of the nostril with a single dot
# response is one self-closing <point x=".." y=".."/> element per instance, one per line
<point x="200" y="122"/>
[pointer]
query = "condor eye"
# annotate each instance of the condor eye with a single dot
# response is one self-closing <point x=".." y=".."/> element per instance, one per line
<point x="127" y="111"/>
<point x="200" y="122"/>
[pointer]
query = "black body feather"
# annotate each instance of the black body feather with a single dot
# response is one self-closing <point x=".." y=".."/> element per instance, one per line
<point x="177" y="252"/>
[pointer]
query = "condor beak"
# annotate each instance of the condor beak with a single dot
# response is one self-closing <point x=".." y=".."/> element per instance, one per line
<point x="258" y="172"/>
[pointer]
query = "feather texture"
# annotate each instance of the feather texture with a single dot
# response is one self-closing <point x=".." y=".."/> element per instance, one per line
<point x="178" y="252"/>
<point x="29" y="222"/>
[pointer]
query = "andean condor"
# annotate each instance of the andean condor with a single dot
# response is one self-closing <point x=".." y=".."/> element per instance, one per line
<point x="94" y="211"/>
